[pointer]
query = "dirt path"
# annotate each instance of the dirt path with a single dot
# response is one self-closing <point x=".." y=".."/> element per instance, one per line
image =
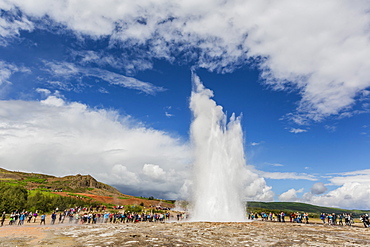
<point x="33" y="235"/>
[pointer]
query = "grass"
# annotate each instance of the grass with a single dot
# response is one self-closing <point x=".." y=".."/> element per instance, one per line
<point x="36" y="180"/>
<point x="49" y="193"/>
<point x="123" y="198"/>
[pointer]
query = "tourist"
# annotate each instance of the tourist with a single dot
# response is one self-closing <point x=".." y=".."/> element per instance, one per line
<point x="340" y="220"/>
<point x="11" y="219"/>
<point x="21" y="219"/>
<point x="323" y="217"/>
<point x="53" y="217"/>
<point x="306" y="217"/>
<point x="70" y="215"/>
<point x="282" y="216"/>
<point x="3" y="216"/>
<point x="334" y="219"/>
<point x="29" y="217"/>
<point x="348" y="220"/>
<point x="77" y="217"/>
<point x="61" y="217"/>
<point x="43" y="218"/>
<point x="15" y="217"/>
<point x="35" y="216"/>
<point x="365" y="220"/>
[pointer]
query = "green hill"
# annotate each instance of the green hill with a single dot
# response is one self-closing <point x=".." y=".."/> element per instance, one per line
<point x="73" y="183"/>
<point x="287" y="207"/>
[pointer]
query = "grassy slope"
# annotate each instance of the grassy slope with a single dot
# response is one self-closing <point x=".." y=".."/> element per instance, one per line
<point x="298" y="207"/>
<point x="75" y="186"/>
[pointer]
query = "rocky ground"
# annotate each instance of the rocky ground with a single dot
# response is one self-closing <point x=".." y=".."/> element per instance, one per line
<point x="255" y="233"/>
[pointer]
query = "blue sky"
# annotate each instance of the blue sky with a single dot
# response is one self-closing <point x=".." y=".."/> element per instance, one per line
<point x="103" y="89"/>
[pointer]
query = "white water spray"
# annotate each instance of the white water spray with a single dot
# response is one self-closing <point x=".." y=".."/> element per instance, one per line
<point x="219" y="160"/>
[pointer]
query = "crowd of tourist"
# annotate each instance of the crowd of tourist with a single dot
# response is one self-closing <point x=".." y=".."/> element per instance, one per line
<point x="327" y="218"/>
<point x="86" y="216"/>
<point x="99" y="214"/>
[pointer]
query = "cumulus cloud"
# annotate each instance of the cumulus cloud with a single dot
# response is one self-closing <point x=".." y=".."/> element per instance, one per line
<point x="61" y="138"/>
<point x="290" y="195"/>
<point x="280" y="37"/>
<point x="318" y="188"/>
<point x="154" y="172"/>
<point x="350" y="195"/>
<point x="361" y="176"/>
<point x="256" y="188"/>
<point x="352" y="192"/>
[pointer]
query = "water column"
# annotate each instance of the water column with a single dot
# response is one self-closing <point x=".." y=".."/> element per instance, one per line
<point x="219" y="160"/>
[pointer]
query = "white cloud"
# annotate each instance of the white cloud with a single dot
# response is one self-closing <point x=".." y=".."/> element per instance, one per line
<point x="290" y="195"/>
<point x="122" y="174"/>
<point x="121" y="61"/>
<point x="68" y="70"/>
<point x="61" y="138"/>
<point x="154" y="172"/>
<point x="43" y="91"/>
<point x="282" y="36"/>
<point x="53" y="101"/>
<point x="11" y="24"/>
<point x="352" y="192"/>
<point x="276" y="164"/>
<point x="255" y="143"/>
<point x="297" y="130"/>
<point x="362" y="176"/>
<point x="318" y="188"/>
<point x="287" y="175"/>
<point x="168" y="114"/>
<point x="257" y="188"/>
<point x="330" y="128"/>
<point x="351" y="195"/>
<point x="7" y="70"/>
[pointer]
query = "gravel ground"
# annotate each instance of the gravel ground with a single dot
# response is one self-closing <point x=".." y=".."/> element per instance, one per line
<point x="255" y="233"/>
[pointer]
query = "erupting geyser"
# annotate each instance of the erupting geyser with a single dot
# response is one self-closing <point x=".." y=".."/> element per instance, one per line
<point x="219" y="160"/>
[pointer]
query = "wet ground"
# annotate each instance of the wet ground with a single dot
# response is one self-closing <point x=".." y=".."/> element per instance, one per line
<point x="255" y="233"/>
